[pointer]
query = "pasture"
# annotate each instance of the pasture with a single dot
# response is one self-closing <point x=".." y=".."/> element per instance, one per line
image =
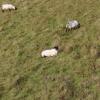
<point x="74" y="74"/>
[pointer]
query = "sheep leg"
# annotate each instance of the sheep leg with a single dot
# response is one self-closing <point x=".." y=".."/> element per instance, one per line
<point x="75" y="28"/>
<point x="66" y="30"/>
<point x="45" y="56"/>
<point x="79" y="26"/>
<point x="9" y="9"/>
<point x="2" y="10"/>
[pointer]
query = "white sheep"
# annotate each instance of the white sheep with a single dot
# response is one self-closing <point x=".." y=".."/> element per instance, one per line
<point x="50" y="52"/>
<point x="74" y="24"/>
<point x="9" y="7"/>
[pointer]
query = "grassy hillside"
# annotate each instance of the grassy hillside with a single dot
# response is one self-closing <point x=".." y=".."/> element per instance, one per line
<point x="74" y="74"/>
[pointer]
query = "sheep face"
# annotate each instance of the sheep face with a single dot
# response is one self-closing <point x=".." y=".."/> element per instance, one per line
<point x="15" y="8"/>
<point x="56" y="47"/>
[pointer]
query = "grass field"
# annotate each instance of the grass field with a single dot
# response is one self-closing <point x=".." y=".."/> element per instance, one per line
<point x="74" y="74"/>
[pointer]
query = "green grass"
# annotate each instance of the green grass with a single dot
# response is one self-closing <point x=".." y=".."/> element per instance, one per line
<point x="74" y="74"/>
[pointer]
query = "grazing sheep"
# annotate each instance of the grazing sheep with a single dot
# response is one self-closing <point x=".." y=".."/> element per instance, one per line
<point x="74" y="24"/>
<point x="50" y="52"/>
<point x="9" y="7"/>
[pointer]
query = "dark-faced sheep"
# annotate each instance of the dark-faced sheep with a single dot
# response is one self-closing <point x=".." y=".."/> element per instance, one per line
<point x="74" y="24"/>
<point x="9" y="7"/>
<point x="50" y="52"/>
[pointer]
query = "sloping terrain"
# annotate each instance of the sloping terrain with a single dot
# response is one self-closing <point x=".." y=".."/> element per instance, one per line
<point x="74" y="74"/>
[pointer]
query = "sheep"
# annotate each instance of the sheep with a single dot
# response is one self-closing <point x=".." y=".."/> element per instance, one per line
<point x="50" y="52"/>
<point x="9" y="7"/>
<point x="74" y="24"/>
